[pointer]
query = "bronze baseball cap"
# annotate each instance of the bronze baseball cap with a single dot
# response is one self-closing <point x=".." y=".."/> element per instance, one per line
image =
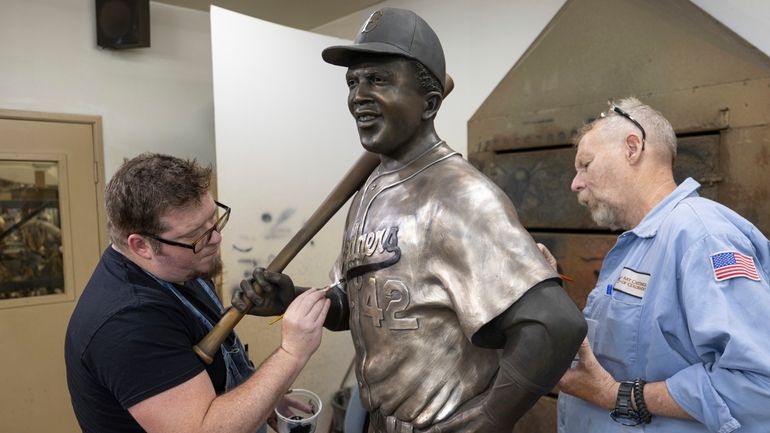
<point x="393" y="31"/>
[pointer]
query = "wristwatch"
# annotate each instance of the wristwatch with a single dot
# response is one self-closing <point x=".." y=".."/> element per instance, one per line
<point x="624" y="412"/>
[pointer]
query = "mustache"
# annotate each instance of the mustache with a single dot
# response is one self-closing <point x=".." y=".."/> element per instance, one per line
<point x="583" y="198"/>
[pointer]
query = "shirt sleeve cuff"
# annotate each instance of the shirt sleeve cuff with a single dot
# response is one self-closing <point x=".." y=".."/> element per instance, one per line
<point x="692" y="390"/>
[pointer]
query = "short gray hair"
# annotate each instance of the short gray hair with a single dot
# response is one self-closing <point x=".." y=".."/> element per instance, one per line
<point x="659" y="131"/>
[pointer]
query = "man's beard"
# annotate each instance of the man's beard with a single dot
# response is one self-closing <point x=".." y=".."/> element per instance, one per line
<point x="602" y="213"/>
<point x="212" y="272"/>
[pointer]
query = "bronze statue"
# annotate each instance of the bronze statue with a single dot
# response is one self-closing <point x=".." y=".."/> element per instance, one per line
<point x="436" y="273"/>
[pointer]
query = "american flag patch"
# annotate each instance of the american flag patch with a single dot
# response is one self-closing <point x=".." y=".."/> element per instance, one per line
<point x="732" y="264"/>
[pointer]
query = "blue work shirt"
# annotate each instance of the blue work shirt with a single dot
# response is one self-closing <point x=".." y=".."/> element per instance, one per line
<point x="662" y="315"/>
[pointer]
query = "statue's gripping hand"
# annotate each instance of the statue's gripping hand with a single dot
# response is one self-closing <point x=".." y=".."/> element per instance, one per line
<point x="269" y="293"/>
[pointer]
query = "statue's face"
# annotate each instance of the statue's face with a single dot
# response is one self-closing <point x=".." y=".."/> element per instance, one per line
<point x="387" y="104"/>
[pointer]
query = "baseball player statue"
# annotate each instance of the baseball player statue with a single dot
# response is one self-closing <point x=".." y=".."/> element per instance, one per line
<point x="459" y="323"/>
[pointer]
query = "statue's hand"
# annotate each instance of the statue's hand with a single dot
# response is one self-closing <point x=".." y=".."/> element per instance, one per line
<point x="269" y="293"/>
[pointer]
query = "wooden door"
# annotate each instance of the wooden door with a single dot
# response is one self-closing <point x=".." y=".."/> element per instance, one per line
<point x="51" y="237"/>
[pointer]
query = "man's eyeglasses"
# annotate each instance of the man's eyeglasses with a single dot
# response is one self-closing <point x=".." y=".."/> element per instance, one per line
<point x="204" y="239"/>
<point x="619" y="111"/>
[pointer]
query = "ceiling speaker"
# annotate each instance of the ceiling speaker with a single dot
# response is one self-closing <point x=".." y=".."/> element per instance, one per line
<point x="123" y="23"/>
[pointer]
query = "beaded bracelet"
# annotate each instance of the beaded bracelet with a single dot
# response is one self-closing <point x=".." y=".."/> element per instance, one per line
<point x="641" y="407"/>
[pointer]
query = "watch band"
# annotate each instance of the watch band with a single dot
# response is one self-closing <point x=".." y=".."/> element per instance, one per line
<point x="624" y="412"/>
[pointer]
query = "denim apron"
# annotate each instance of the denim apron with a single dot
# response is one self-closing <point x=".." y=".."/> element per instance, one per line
<point x="239" y="367"/>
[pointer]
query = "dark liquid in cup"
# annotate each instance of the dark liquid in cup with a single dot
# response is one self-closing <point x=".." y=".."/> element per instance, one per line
<point x="304" y="428"/>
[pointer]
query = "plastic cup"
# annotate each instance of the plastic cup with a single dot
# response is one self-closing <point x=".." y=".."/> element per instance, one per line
<point x="297" y="411"/>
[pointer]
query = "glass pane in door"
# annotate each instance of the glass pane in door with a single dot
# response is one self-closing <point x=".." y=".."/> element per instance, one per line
<point x="30" y="229"/>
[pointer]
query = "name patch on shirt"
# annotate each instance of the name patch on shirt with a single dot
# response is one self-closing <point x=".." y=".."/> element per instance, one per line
<point x="632" y="283"/>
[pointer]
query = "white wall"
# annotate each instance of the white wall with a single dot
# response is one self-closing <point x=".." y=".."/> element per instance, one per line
<point x="750" y="19"/>
<point x="150" y="99"/>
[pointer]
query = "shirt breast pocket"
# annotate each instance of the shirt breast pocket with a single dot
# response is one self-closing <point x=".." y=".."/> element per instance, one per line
<point x="618" y="334"/>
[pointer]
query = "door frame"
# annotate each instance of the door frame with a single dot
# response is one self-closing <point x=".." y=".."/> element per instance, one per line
<point x="95" y="123"/>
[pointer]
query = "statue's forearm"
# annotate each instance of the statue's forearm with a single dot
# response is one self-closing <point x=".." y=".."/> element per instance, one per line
<point x="543" y="331"/>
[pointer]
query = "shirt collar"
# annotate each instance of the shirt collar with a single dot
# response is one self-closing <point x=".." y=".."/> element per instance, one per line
<point x="649" y="225"/>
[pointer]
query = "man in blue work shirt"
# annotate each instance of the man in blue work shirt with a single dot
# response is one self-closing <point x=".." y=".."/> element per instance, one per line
<point x="680" y="307"/>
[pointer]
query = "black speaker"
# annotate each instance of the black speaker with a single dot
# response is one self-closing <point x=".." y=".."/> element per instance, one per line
<point x="123" y="23"/>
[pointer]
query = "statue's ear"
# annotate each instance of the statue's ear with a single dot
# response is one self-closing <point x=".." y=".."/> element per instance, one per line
<point x="433" y="102"/>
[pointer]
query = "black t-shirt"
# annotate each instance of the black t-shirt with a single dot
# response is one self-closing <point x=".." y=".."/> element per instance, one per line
<point x="129" y="339"/>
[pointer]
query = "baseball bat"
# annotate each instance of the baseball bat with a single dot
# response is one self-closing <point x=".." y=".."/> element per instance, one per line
<point x="350" y="183"/>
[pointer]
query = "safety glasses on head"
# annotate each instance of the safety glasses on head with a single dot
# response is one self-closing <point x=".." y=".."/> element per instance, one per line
<point x="615" y="109"/>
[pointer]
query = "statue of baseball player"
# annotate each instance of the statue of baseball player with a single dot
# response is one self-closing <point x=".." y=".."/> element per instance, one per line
<point x="458" y="321"/>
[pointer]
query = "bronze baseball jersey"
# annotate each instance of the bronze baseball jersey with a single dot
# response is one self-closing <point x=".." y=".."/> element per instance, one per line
<point x="431" y="252"/>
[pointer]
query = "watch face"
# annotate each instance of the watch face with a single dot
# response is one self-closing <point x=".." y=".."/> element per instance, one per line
<point x="629" y="418"/>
